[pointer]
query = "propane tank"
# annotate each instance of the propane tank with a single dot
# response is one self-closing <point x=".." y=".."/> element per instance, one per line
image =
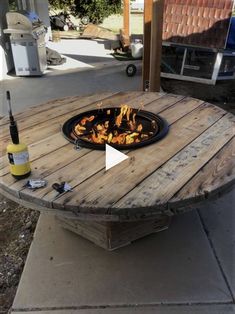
<point x="17" y="152"/>
<point x="137" y="49"/>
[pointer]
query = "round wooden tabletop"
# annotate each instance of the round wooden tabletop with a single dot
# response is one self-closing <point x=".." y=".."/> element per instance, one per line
<point x="193" y="162"/>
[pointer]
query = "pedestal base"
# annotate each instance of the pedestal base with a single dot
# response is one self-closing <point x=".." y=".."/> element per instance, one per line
<point x="113" y="235"/>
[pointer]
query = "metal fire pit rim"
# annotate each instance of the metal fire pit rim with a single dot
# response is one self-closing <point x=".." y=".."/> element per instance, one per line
<point x="162" y="123"/>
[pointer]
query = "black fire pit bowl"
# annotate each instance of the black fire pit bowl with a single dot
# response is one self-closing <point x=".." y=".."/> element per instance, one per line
<point x="146" y="118"/>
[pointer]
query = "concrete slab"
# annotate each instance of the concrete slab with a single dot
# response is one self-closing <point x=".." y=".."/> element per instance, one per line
<point x="81" y="53"/>
<point x="88" y="51"/>
<point x="219" y="220"/>
<point x="176" y="266"/>
<point x="27" y="91"/>
<point x="89" y="69"/>
<point x="189" y="309"/>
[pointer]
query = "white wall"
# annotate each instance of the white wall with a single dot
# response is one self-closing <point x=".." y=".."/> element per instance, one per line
<point x="6" y="61"/>
<point x="42" y="9"/>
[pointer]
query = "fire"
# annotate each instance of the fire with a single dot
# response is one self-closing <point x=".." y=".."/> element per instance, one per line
<point x="122" y="129"/>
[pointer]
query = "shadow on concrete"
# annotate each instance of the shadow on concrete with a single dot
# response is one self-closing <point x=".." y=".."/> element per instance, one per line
<point x="89" y="59"/>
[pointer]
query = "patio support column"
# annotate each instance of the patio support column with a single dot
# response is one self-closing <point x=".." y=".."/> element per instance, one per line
<point x="125" y="30"/>
<point x="6" y="61"/>
<point x="126" y="17"/>
<point x="42" y="9"/>
<point x="156" y="45"/>
<point x="148" y="4"/>
<point x="22" y="5"/>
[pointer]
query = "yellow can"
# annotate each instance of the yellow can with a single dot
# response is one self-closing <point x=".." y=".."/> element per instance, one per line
<point x="18" y="157"/>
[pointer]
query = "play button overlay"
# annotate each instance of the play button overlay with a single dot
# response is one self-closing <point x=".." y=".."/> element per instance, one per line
<point x="113" y="157"/>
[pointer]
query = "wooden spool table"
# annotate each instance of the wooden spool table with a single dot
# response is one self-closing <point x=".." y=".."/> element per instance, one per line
<point x="194" y="162"/>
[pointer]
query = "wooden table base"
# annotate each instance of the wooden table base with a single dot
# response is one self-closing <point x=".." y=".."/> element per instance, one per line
<point x="113" y="235"/>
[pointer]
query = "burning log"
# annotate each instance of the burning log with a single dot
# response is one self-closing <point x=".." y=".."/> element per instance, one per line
<point x="122" y="127"/>
<point x="123" y="130"/>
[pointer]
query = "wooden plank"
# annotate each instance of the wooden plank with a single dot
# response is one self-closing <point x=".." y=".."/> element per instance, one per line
<point x="44" y="166"/>
<point x="47" y="145"/>
<point x="94" y="231"/>
<point x="46" y="195"/>
<point x="42" y="130"/>
<point x="73" y="173"/>
<point x="150" y="103"/>
<point x="95" y="31"/>
<point x="179" y="109"/>
<point x="156" y="45"/>
<point x="160" y="186"/>
<point x="217" y="174"/>
<point x="37" y="150"/>
<point x="123" y="233"/>
<point x="148" y="5"/>
<point x="135" y="99"/>
<point x="96" y="191"/>
<point x="113" y="235"/>
<point x="126" y="18"/>
<point x="33" y="110"/>
<point x="51" y="113"/>
<point x="33" y="206"/>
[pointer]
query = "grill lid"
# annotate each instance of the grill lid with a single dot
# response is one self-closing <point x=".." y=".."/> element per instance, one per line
<point x="22" y="21"/>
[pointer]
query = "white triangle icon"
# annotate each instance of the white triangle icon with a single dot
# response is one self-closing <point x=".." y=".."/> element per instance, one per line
<point x="113" y="157"/>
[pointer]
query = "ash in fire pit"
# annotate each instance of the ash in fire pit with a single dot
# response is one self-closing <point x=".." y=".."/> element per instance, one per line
<point x="122" y="128"/>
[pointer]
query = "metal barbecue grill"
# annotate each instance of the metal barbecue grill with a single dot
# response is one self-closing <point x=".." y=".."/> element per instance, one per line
<point x="153" y="124"/>
<point x="27" y="42"/>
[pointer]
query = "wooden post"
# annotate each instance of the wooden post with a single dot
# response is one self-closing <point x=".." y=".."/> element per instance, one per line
<point x="156" y="45"/>
<point x="6" y="59"/>
<point x="126" y="17"/>
<point x="148" y="4"/>
<point x="125" y="31"/>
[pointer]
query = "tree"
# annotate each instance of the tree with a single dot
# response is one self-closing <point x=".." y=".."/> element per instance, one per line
<point x="96" y="10"/>
<point x="62" y="4"/>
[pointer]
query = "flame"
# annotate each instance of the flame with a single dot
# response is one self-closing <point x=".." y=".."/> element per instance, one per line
<point x="125" y="129"/>
<point x="84" y="120"/>
<point x="79" y="129"/>
<point x="125" y="111"/>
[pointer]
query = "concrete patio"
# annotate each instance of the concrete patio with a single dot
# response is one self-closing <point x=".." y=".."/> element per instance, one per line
<point x="89" y="68"/>
<point x="188" y="268"/>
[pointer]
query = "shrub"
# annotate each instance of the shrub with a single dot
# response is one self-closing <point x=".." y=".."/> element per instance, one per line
<point x="96" y="10"/>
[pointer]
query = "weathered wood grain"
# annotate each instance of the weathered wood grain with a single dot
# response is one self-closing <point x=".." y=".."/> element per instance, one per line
<point x="45" y="198"/>
<point x="194" y="162"/>
<point x="46" y="127"/>
<point x="212" y="178"/>
<point x="54" y="110"/>
<point x="37" y="150"/>
<point x="165" y="174"/>
<point x="73" y="173"/>
<point x="33" y="206"/>
<point x="29" y="121"/>
<point x="159" y="187"/>
<point x="44" y="166"/>
<point x="104" y="189"/>
<point x="33" y="110"/>
<point x="113" y="235"/>
<point x="160" y="102"/>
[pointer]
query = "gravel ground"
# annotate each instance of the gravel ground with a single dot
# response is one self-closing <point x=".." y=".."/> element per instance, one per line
<point x="17" y="226"/>
<point x="222" y="94"/>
